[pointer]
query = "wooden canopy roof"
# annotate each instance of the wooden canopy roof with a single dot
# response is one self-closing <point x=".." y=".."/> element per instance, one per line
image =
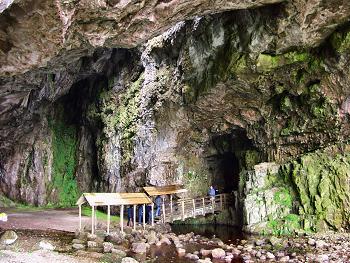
<point x="100" y="199"/>
<point x="164" y="190"/>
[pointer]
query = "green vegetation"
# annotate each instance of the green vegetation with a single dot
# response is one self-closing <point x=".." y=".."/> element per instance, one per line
<point x="64" y="185"/>
<point x="86" y="211"/>
<point x="118" y="113"/>
<point x="266" y="62"/>
<point x="321" y="184"/>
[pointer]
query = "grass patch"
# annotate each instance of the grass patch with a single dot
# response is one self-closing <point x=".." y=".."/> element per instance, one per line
<point x="86" y="211"/>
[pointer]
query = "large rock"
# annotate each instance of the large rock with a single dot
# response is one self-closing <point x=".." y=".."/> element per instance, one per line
<point x="8" y="237"/>
<point x="139" y="248"/>
<point x="218" y="253"/>
<point x="129" y="260"/>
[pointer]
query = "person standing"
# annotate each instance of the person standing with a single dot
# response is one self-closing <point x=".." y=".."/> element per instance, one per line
<point x="140" y="212"/>
<point x="211" y="191"/>
<point x="158" y="202"/>
<point x="130" y="216"/>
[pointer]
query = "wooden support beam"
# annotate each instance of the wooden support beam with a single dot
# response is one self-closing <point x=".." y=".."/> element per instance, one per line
<point x="108" y="217"/>
<point x="213" y="204"/>
<point x="183" y="210"/>
<point x="92" y="219"/>
<point x="121" y="218"/>
<point x="79" y="217"/>
<point x="203" y="200"/>
<point x="171" y="208"/>
<point x="163" y="208"/>
<point x="96" y="218"/>
<point x="221" y="202"/>
<point x="144" y="216"/>
<point x="152" y="207"/>
<point x="134" y="218"/>
<point x="194" y="208"/>
<point x="225" y="205"/>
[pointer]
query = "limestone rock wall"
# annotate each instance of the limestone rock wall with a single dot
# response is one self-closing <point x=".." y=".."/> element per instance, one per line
<point x="106" y="105"/>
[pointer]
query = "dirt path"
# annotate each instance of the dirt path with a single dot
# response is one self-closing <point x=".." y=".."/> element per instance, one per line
<point x="57" y="219"/>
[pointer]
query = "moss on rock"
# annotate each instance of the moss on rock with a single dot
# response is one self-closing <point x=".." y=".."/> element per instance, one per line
<point x="63" y="186"/>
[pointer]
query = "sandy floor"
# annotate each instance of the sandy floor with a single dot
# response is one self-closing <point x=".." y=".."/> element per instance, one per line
<point x="48" y="219"/>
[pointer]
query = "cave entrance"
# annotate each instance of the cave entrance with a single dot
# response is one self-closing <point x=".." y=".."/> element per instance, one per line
<point x="231" y="153"/>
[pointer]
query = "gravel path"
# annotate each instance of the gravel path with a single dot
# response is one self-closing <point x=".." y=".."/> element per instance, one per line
<point x="39" y="256"/>
<point x="48" y="219"/>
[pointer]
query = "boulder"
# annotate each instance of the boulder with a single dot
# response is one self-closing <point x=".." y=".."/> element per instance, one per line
<point x="205" y="252"/>
<point x="46" y="245"/>
<point x="8" y="237"/>
<point x="181" y="252"/>
<point x="139" y="248"/>
<point x="129" y="260"/>
<point x="218" y="253"/>
<point x="118" y="252"/>
<point x="78" y="246"/>
<point x="107" y="247"/>
<point x="269" y="255"/>
<point x="275" y="241"/>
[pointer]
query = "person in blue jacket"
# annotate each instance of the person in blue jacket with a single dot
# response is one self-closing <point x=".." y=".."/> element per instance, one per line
<point x="158" y="202"/>
<point x="211" y="191"/>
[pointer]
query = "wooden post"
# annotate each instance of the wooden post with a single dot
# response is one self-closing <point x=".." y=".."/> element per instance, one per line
<point x="134" y="218"/>
<point x="213" y="204"/>
<point x="79" y="217"/>
<point x="152" y="207"/>
<point x="96" y="218"/>
<point x="225" y="200"/>
<point x="194" y="208"/>
<point x="92" y="219"/>
<point x="183" y="210"/>
<point x="221" y="202"/>
<point x="203" y="200"/>
<point x="122" y="219"/>
<point x="171" y="207"/>
<point x="163" y="208"/>
<point x="144" y="216"/>
<point x="108" y="217"/>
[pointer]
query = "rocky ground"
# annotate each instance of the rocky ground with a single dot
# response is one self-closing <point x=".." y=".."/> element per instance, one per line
<point x="159" y="244"/>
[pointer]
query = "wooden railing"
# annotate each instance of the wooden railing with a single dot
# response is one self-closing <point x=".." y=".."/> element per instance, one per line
<point x="185" y="208"/>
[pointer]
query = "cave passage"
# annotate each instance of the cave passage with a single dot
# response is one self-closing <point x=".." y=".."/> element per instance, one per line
<point x="229" y="158"/>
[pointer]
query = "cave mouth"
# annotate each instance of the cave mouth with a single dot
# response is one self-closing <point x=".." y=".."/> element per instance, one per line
<point x="231" y="153"/>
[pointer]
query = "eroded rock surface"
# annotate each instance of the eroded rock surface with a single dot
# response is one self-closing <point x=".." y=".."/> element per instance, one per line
<point x="113" y="95"/>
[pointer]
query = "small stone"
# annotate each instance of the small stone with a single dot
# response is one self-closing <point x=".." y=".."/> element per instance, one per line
<point x="284" y="259"/>
<point x="322" y="258"/>
<point x="192" y="256"/>
<point x="311" y="241"/>
<point x="165" y="240"/>
<point x="181" y="252"/>
<point x="275" y="241"/>
<point x="8" y="237"/>
<point x="259" y="242"/>
<point x="107" y="247"/>
<point x="118" y="252"/>
<point x="129" y="260"/>
<point x="78" y="246"/>
<point x="205" y="252"/>
<point x="320" y="244"/>
<point x="218" y="253"/>
<point x="269" y="255"/>
<point x="262" y="257"/>
<point x="92" y="244"/>
<point x="78" y="241"/>
<point x="46" y="245"/>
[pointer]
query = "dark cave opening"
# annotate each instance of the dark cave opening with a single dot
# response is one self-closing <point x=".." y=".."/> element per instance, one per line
<point x="232" y="153"/>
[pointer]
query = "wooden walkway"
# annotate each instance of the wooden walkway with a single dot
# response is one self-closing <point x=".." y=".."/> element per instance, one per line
<point x="191" y="208"/>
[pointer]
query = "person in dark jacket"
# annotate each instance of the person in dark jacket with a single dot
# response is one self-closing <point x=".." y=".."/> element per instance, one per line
<point x="158" y="202"/>
<point x="130" y="216"/>
<point x="140" y="212"/>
